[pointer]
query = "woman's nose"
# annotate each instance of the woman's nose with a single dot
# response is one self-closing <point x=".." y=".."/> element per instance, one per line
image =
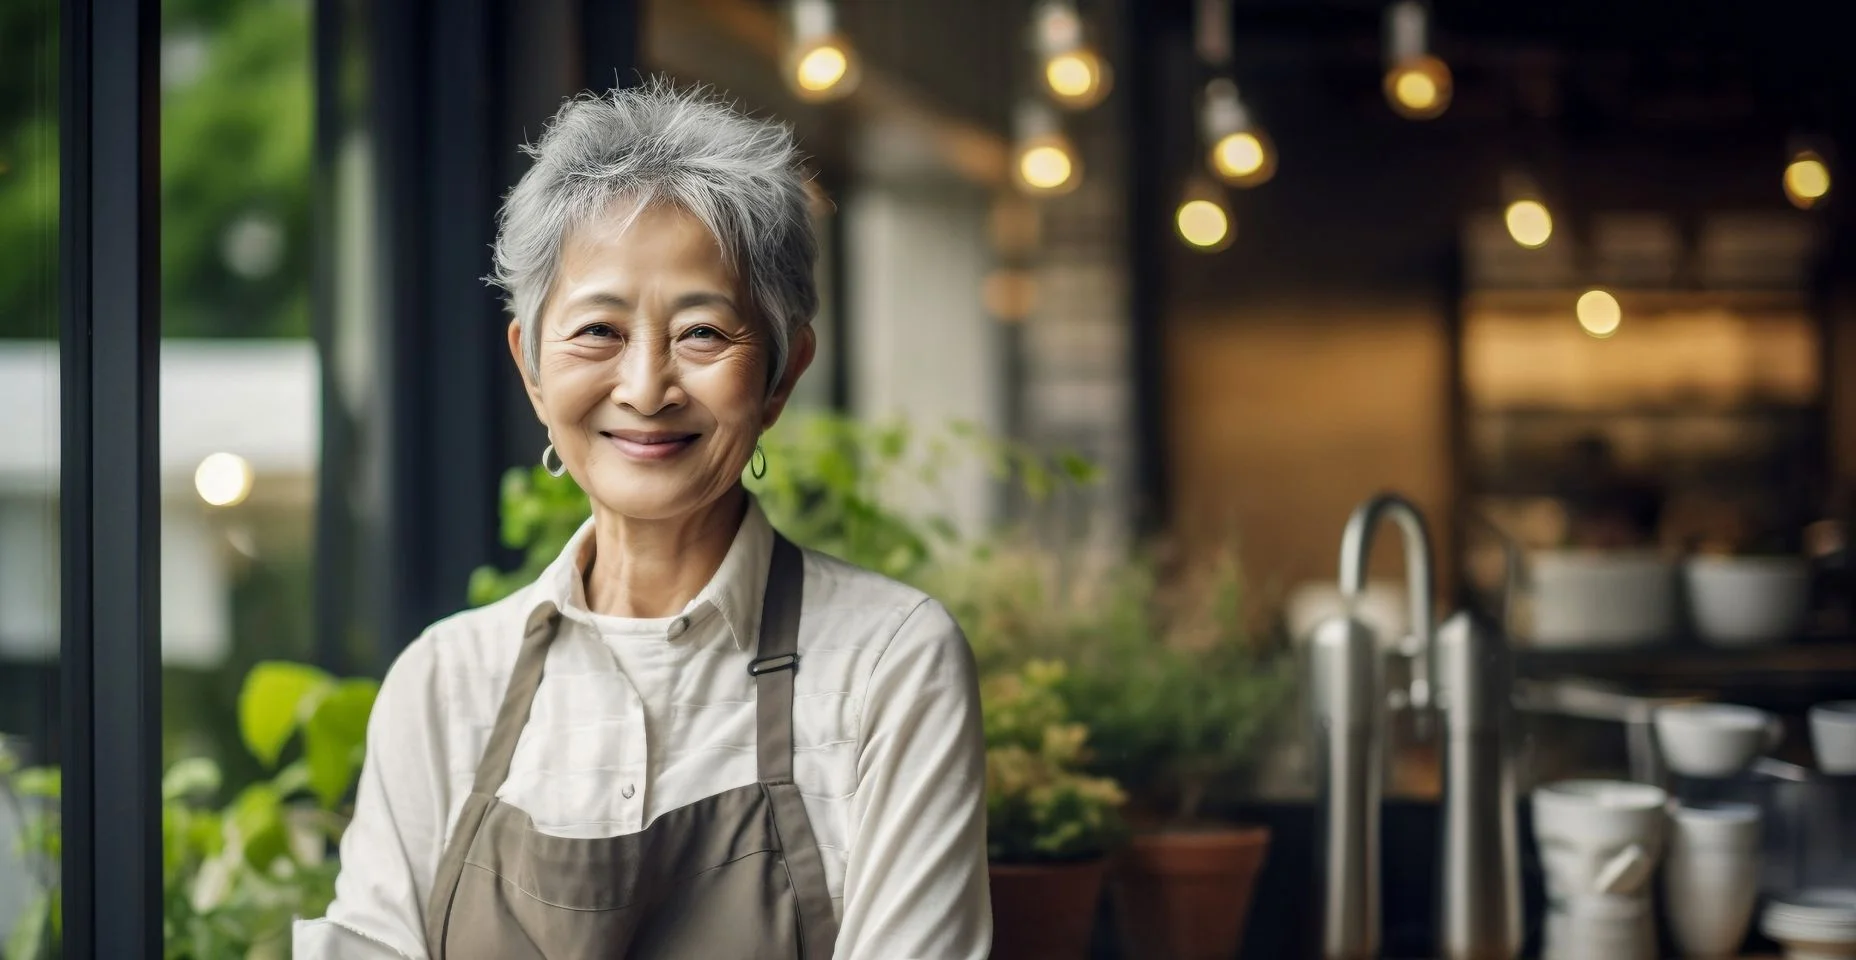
<point x="647" y="376"/>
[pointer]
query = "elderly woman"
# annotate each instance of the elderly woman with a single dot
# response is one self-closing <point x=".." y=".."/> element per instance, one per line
<point x="689" y="738"/>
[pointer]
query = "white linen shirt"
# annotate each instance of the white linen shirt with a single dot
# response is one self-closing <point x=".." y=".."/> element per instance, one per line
<point x="638" y="717"/>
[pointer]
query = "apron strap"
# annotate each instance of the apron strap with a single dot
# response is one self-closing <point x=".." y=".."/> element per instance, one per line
<point x="775" y="659"/>
<point x="518" y="698"/>
<point x="492" y="770"/>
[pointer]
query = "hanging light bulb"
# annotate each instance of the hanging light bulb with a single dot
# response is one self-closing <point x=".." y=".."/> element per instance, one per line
<point x="1807" y="179"/>
<point x="1073" y="73"/>
<point x="1599" y="313"/>
<point x="1043" y="160"/>
<point x="820" y="64"/>
<point x="1529" y="221"/>
<point x="1203" y="218"/>
<point x="1417" y="84"/>
<point x="1241" y="153"/>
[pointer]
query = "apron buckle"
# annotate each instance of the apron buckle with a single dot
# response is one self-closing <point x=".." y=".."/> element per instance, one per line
<point x="784" y="661"/>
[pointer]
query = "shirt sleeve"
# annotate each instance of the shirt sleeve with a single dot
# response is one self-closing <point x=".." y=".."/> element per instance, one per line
<point x="390" y="851"/>
<point x="916" y="885"/>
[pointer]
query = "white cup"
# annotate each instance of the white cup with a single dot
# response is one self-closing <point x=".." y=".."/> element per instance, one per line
<point x="1833" y="736"/>
<point x="1598" y="835"/>
<point x="1711" y="877"/>
<point x="1586" y="927"/>
<point x="1714" y="739"/>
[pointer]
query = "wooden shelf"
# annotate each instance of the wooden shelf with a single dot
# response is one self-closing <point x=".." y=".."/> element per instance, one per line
<point x="1819" y="668"/>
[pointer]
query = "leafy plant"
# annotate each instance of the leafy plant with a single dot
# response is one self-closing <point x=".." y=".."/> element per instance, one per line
<point x="234" y="875"/>
<point x="1040" y="804"/>
<point x="1165" y="667"/>
<point x="1174" y="679"/>
<point x="835" y="484"/>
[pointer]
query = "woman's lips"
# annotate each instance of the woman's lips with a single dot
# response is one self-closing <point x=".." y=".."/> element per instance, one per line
<point x="651" y="446"/>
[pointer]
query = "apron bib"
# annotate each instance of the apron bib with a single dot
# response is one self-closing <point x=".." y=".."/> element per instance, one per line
<point x="734" y="875"/>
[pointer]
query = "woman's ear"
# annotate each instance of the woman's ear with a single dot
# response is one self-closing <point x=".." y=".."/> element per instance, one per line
<point x="799" y="354"/>
<point x="528" y="382"/>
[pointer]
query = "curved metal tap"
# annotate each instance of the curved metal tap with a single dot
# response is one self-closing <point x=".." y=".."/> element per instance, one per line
<point x="1356" y="549"/>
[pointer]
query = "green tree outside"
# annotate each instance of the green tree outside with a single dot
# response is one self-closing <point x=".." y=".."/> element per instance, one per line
<point x="236" y="128"/>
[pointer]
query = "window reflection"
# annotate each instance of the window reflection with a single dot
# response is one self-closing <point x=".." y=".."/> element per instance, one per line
<point x="29" y="466"/>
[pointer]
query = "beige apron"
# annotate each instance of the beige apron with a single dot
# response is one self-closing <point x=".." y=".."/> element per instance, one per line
<point x="735" y="875"/>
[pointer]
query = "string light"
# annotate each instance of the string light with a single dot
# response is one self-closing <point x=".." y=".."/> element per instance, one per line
<point x="1043" y="160"/>
<point x="820" y="64"/>
<point x="1241" y="153"/>
<point x="1417" y="84"/>
<point x="1529" y="221"/>
<point x="1074" y="74"/>
<point x="1203" y="218"/>
<point x="223" y="479"/>
<point x="1599" y="313"/>
<point x="1807" y="179"/>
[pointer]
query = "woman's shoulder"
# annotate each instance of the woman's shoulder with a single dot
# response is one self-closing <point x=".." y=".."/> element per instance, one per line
<point x="478" y="641"/>
<point x="865" y="603"/>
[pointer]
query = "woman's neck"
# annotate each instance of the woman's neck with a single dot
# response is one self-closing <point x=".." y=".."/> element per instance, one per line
<point x="653" y="568"/>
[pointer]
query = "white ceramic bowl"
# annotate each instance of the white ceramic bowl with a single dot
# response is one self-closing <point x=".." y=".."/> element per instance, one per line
<point x="1748" y="601"/>
<point x="1714" y="739"/>
<point x="1813" y="924"/>
<point x="1833" y="736"/>
<point x="1601" y="598"/>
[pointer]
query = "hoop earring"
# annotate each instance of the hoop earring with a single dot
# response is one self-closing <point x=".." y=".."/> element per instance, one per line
<point x="547" y="452"/>
<point x="757" y="464"/>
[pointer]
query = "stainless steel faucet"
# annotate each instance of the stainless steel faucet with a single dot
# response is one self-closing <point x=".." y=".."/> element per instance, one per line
<point x="1459" y="672"/>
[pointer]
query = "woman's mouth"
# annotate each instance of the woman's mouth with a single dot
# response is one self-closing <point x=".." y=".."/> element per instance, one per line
<point x="648" y="444"/>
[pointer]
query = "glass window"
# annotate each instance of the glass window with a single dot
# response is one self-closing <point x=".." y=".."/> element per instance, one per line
<point x="29" y="471"/>
<point x="238" y="456"/>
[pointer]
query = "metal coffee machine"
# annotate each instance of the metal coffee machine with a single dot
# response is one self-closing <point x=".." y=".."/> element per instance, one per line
<point x="1459" y="688"/>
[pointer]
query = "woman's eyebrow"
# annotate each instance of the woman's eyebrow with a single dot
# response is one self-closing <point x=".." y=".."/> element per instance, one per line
<point x="703" y="298"/>
<point x="601" y="299"/>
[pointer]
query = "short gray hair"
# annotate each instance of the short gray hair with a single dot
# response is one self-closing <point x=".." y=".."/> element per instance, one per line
<point x="742" y="177"/>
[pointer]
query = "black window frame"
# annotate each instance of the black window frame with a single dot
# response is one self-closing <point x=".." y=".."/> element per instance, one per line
<point x="109" y="339"/>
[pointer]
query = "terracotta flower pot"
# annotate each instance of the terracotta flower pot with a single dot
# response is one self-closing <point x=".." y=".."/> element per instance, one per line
<point x="1186" y="895"/>
<point x="1044" y="911"/>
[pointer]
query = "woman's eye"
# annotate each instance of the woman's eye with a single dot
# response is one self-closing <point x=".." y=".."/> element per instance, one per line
<point x="598" y="330"/>
<point x="705" y="333"/>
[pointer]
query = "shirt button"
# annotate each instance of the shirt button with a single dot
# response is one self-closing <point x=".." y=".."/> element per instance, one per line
<point x="629" y="791"/>
<point x="677" y="627"/>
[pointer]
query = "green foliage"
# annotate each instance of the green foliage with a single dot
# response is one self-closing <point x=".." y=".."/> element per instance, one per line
<point x="1179" y="687"/>
<point x="539" y="515"/>
<point x="1040" y="805"/>
<point x="833" y="485"/>
<point x="235" y="875"/>
<point x="235" y="147"/>
<point x="1165" y="667"/>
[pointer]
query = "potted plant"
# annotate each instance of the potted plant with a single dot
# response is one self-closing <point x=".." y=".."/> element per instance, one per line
<point x="1181" y="695"/>
<point x="1050" y="826"/>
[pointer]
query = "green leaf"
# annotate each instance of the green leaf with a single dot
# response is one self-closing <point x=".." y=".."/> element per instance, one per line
<point x="273" y="702"/>
<point x="257" y="820"/>
<point x="41" y="782"/>
<point x="292" y="778"/>
<point x="1080" y="470"/>
<point x="335" y="739"/>
<point x="191" y="776"/>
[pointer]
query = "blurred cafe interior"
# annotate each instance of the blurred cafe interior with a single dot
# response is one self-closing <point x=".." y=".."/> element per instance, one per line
<point x="1575" y="282"/>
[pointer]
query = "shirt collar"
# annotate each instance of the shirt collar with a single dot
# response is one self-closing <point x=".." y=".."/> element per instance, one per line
<point x="734" y="593"/>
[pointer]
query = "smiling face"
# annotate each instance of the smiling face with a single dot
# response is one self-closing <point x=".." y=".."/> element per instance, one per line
<point x="653" y="366"/>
